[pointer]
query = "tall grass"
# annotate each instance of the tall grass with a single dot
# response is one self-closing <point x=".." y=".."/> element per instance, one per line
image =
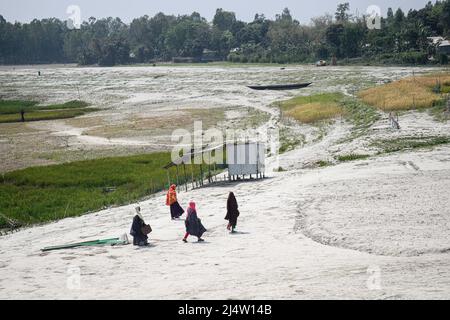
<point x="410" y="93"/>
<point x="48" y="193"/>
<point x="315" y="108"/>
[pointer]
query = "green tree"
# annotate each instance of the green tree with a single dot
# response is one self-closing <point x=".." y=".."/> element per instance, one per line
<point x="224" y="20"/>
<point x="342" y="14"/>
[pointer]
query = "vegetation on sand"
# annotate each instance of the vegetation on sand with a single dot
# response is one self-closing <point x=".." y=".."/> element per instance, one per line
<point x="414" y="92"/>
<point x="352" y="157"/>
<point x="41" y="194"/>
<point x="311" y="109"/>
<point x="409" y="143"/>
<point x="23" y="110"/>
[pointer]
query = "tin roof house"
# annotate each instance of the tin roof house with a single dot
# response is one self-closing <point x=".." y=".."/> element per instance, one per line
<point x="444" y="47"/>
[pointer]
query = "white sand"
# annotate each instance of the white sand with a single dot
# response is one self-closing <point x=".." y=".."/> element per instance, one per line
<point x="304" y="233"/>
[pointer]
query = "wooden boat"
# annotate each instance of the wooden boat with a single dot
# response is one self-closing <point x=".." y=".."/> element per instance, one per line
<point x="281" y="86"/>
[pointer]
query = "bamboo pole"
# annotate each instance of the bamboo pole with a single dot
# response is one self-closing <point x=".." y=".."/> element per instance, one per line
<point x="168" y="178"/>
<point x="209" y="167"/>
<point x="192" y="177"/>
<point x="185" y="177"/>
<point x="201" y="173"/>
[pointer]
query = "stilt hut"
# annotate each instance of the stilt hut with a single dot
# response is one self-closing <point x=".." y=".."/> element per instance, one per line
<point x="245" y="159"/>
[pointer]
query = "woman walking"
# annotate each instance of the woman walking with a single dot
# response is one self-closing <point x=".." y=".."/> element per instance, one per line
<point x="138" y="229"/>
<point x="171" y="200"/>
<point x="193" y="224"/>
<point x="232" y="212"/>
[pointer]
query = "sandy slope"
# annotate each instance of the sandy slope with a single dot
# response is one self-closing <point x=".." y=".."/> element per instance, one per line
<point x="304" y="234"/>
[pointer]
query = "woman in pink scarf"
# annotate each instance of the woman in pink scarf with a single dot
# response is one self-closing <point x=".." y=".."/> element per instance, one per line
<point x="193" y="223"/>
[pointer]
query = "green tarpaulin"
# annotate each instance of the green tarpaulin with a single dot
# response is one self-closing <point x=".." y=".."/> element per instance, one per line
<point x="112" y="242"/>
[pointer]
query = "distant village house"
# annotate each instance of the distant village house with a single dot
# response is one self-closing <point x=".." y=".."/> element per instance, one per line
<point x="442" y="45"/>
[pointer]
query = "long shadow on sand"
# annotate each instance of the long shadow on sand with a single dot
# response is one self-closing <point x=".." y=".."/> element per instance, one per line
<point x="220" y="184"/>
<point x="238" y="233"/>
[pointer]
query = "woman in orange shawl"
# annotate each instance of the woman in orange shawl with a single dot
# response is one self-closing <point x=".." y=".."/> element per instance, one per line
<point x="171" y="200"/>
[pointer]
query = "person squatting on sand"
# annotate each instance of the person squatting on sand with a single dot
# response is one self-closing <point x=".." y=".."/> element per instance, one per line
<point x="193" y="223"/>
<point x="139" y="229"/>
<point x="171" y="200"/>
<point x="232" y="212"/>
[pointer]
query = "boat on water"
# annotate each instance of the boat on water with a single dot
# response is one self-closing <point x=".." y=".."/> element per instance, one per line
<point x="281" y="86"/>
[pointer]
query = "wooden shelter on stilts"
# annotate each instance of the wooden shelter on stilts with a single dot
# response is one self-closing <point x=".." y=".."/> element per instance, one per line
<point x="244" y="160"/>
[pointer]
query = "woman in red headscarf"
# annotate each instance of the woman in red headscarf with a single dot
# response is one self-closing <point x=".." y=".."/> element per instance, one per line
<point x="171" y="200"/>
<point x="193" y="223"/>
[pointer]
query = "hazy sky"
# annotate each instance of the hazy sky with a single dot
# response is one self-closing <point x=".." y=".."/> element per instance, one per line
<point x="26" y="10"/>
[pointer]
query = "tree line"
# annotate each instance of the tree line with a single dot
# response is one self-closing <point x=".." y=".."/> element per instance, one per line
<point x="403" y="38"/>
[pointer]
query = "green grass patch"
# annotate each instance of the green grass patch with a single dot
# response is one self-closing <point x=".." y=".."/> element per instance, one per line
<point x="445" y="89"/>
<point x="74" y="104"/>
<point x="410" y="143"/>
<point x="314" y="108"/>
<point x="320" y="98"/>
<point x="439" y="111"/>
<point x="361" y="115"/>
<point x="289" y="140"/>
<point x="45" y="115"/>
<point x="323" y="163"/>
<point x="352" y="157"/>
<point x="10" y="110"/>
<point x="41" y="194"/>
<point x="14" y="106"/>
<point x="324" y="106"/>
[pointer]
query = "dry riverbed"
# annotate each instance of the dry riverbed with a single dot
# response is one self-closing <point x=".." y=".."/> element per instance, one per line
<point x="141" y="106"/>
<point x="374" y="228"/>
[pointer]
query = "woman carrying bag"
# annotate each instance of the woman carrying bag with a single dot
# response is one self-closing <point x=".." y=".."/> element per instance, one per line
<point x="140" y="230"/>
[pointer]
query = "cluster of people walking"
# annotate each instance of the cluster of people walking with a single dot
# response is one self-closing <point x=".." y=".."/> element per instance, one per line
<point x="193" y="224"/>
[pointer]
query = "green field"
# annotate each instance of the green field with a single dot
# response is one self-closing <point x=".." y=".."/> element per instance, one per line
<point x="41" y="194"/>
<point x="10" y="110"/>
